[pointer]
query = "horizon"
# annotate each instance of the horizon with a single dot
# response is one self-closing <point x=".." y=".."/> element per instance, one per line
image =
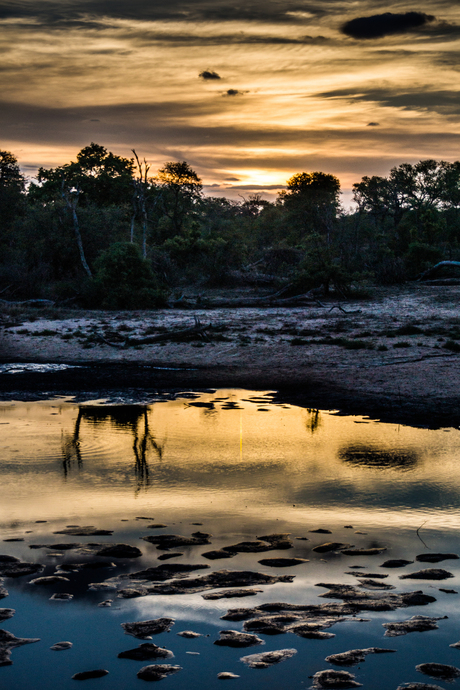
<point x="248" y="96"/>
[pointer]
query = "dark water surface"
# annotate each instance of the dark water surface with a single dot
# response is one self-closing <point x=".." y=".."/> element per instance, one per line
<point x="234" y="465"/>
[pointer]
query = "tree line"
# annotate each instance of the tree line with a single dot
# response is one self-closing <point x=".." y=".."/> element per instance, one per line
<point x="102" y="231"/>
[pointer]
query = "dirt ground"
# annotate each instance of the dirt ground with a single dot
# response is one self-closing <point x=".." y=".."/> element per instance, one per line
<point x="394" y="356"/>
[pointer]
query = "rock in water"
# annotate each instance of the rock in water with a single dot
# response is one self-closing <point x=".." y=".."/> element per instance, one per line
<point x="427" y="574"/>
<point x="334" y="679"/>
<point x="157" y="671"/>
<point x="226" y="675"/>
<point x="86" y="675"/>
<point x="145" y="652"/>
<point x="8" y="641"/>
<point x="233" y="638"/>
<point x="267" y="659"/>
<point x="144" y="629"/>
<point x="119" y="551"/>
<point x="6" y="613"/>
<point x="442" y="671"/>
<point x="60" y="646"/>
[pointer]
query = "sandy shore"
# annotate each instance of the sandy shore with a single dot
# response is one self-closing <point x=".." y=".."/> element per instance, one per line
<point x="393" y="357"/>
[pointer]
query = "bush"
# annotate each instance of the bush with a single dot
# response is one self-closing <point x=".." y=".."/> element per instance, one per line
<point x="124" y="280"/>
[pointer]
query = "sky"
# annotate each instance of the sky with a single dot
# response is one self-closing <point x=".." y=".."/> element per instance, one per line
<point x="248" y="94"/>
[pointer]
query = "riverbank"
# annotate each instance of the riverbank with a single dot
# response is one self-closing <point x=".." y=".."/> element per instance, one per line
<point x="393" y="357"/>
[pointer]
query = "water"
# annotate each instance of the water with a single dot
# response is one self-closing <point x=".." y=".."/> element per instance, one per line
<point x="236" y="465"/>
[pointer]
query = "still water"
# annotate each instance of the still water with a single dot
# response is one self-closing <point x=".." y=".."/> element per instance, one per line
<point x="235" y="465"/>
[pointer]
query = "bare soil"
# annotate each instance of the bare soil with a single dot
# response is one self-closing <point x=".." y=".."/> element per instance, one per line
<point x="394" y="356"/>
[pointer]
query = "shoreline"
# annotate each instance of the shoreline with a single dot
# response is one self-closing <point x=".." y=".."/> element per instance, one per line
<point x="395" y="357"/>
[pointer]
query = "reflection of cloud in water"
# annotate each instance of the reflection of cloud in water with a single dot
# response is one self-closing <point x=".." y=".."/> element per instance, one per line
<point x="379" y="458"/>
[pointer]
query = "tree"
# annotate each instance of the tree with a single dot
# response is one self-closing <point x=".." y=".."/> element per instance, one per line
<point x="312" y="202"/>
<point x="180" y="191"/>
<point x="11" y="192"/>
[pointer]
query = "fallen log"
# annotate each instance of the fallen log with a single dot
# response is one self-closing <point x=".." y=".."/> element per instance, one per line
<point x="434" y="269"/>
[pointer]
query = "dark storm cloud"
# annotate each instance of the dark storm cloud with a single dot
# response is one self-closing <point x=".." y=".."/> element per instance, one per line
<point x="209" y="74"/>
<point x="436" y="101"/>
<point x="380" y="25"/>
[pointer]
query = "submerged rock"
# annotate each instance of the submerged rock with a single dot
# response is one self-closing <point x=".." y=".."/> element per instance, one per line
<point x="119" y="551"/>
<point x="87" y="675"/>
<point x="435" y="557"/>
<point x="373" y="584"/>
<point x="5" y="614"/>
<point x="366" y="601"/>
<point x="443" y="671"/>
<point x="145" y="652"/>
<point x="87" y="531"/>
<point x="226" y="675"/>
<point x="61" y="646"/>
<point x="166" y="571"/>
<point x="232" y="593"/>
<point x="414" y="624"/>
<point x="267" y="659"/>
<point x="61" y="596"/>
<point x="145" y="629"/>
<point x="189" y="634"/>
<point x="418" y="686"/>
<point x="157" y="671"/>
<point x="427" y="574"/>
<point x="8" y="642"/>
<point x="355" y="656"/>
<point x="216" y="554"/>
<point x="320" y="531"/>
<point x="334" y="679"/>
<point x="282" y="562"/>
<point x="106" y="603"/>
<point x="167" y="556"/>
<point x="49" y="580"/>
<point x="218" y="579"/>
<point x="395" y="563"/>
<point x="18" y="568"/>
<point x="233" y="638"/>
<point x="376" y="576"/>
<point x="171" y="541"/>
<point x="330" y="546"/>
<point x="375" y="551"/>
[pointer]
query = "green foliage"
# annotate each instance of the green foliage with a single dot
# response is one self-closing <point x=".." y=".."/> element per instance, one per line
<point x="124" y="280"/>
<point x="421" y="256"/>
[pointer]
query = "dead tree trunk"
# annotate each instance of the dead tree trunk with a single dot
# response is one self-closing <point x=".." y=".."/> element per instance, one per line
<point x="71" y="199"/>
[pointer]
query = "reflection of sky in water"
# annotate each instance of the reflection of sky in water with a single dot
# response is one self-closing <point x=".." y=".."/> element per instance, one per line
<point x="217" y="460"/>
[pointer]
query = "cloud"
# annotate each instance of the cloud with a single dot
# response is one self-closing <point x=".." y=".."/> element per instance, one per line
<point x="209" y="74"/>
<point x="380" y="25"/>
<point x="373" y="124"/>
<point x="232" y="92"/>
<point x="440" y="101"/>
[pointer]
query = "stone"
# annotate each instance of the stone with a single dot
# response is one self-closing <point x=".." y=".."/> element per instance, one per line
<point x="231" y="593"/>
<point x="443" y="671"/>
<point x="171" y="541"/>
<point x="435" y="557"/>
<point x="427" y="574"/>
<point x="355" y="656"/>
<point x="216" y="554"/>
<point x="106" y="603"/>
<point x="365" y="552"/>
<point x="330" y="546"/>
<point x="334" y="679"/>
<point x="61" y="596"/>
<point x="166" y="571"/>
<point x="87" y="675"/>
<point x="320" y="531"/>
<point x="119" y="551"/>
<point x="61" y="646"/>
<point x="167" y="556"/>
<point x="226" y="675"/>
<point x="87" y="531"/>
<point x="218" y="579"/>
<point x="233" y="638"/>
<point x="145" y="629"/>
<point x="418" y="686"/>
<point x="378" y="576"/>
<point x="8" y="642"/>
<point x="189" y="634"/>
<point x="267" y="659"/>
<point x="145" y="652"/>
<point x="282" y="562"/>
<point x="157" y="671"/>
<point x="395" y="563"/>
<point x="414" y="624"/>
<point x="5" y="614"/>
<point x="158" y="526"/>
<point x="367" y="583"/>
<point x="49" y="580"/>
<point x="20" y="569"/>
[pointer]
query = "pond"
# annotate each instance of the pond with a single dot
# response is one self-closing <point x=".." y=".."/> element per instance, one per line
<point x="272" y="506"/>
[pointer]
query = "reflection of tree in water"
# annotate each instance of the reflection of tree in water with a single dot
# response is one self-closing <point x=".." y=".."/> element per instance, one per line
<point x="131" y="417"/>
<point x="379" y="458"/>
<point x="71" y="447"/>
<point x="313" y="421"/>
